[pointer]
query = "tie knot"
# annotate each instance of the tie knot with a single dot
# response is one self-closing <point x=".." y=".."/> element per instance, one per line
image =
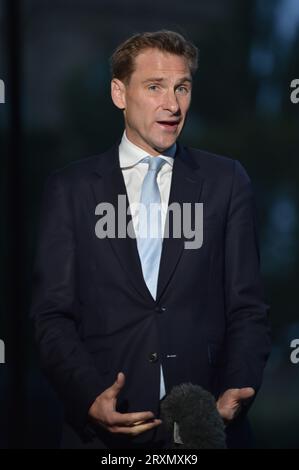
<point x="154" y="163"/>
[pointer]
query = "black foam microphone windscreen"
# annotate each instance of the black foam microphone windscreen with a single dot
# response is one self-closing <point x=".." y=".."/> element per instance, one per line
<point x="190" y="414"/>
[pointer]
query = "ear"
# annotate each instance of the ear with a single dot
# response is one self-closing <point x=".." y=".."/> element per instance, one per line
<point x="118" y="93"/>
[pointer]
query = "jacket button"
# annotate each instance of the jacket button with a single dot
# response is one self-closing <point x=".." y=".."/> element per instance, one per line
<point x="153" y="357"/>
<point x="159" y="309"/>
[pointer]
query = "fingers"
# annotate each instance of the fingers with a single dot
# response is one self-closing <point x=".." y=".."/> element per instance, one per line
<point x="132" y="419"/>
<point x="114" y="390"/>
<point x="245" y="393"/>
<point x="120" y="380"/>
<point x="135" y="430"/>
<point x="229" y="412"/>
<point x="123" y="423"/>
<point x="130" y="423"/>
<point x="227" y="409"/>
<point x="229" y="404"/>
<point x="238" y="394"/>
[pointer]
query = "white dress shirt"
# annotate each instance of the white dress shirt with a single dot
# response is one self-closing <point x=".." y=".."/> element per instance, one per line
<point x="134" y="171"/>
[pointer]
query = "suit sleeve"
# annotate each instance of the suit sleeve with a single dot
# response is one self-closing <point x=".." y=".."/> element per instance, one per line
<point x="248" y="339"/>
<point x="63" y="357"/>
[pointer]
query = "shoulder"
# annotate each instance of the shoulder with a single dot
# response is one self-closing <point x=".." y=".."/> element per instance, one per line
<point x="82" y="171"/>
<point x="218" y="166"/>
<point x="79" y="169"/>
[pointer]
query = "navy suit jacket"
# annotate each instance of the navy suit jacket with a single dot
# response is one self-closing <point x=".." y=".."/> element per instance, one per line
<point x="94" y="315"/>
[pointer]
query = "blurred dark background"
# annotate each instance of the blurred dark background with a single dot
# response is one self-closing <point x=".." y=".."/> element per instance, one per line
<point x="54" y="62"/>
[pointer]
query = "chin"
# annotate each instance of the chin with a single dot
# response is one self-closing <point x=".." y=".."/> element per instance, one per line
<point x="166" y="143"/>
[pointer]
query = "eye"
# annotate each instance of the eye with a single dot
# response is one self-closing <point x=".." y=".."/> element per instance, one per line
<point x="153" y="87"/>
<point x="183" y="90"/>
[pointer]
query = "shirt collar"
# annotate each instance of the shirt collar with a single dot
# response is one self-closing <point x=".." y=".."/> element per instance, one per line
<point x="130" y="154"/>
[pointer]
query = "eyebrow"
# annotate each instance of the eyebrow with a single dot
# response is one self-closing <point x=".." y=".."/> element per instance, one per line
<point x="161" y="79"/>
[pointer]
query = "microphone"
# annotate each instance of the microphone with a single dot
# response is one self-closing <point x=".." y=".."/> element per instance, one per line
<point x="190" y="415"/>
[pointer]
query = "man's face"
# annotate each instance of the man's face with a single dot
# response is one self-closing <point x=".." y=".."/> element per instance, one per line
<point x="156" y="100"/>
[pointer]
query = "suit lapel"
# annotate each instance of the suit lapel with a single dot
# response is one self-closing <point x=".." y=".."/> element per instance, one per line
<point x="186" y="187"/>
<point x="112" y="186"/>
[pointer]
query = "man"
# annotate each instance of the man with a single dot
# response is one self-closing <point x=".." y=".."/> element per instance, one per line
<point x="120" y="320"/>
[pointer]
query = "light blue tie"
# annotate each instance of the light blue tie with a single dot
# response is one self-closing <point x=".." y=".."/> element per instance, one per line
<point x="149" y="240"/>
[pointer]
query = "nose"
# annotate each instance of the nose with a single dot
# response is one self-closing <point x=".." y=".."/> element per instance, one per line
<point x="170" y="102"/>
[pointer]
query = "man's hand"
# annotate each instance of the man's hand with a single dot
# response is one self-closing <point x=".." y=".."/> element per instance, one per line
<point x="230" y="402"/>
<point x="103" y="411"/>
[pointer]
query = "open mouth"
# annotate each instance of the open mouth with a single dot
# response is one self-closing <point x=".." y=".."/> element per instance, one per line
<point x="168" y="124"/>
